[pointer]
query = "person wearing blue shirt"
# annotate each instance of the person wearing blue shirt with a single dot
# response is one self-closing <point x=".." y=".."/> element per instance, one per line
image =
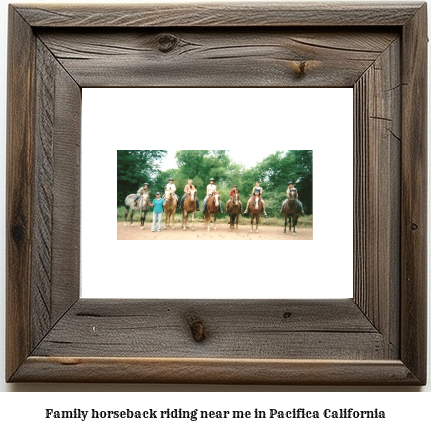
<point x="158" y="205"/>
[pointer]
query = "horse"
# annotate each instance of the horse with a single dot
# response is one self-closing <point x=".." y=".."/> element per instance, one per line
<point x="212" y="207"/>
<point x="234" y="210"/>
<point x="255" y="209"/>
<point x="292" y="210"/>
<point x="170" y="208"/>
<point x="142" y="205"/>
<point x="189" y="206"/>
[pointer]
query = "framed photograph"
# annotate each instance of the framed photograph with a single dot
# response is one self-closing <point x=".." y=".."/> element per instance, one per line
<point x="376" y="337"/>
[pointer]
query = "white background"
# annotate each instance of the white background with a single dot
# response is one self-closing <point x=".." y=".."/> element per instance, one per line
<point x="241" y="119"/>
<point x="407" y="410"/>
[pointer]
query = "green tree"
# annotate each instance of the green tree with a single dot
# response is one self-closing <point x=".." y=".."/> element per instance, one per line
<point x="161" y="179"/>
<point x="274" y="173"/>
<point x="134" y="167"/>
<point x="192" y="162"/>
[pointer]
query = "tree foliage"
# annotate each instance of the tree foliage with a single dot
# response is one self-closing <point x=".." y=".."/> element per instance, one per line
<point x="134" y="167"/>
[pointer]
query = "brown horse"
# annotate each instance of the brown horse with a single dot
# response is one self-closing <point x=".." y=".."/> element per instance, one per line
<point x="212" y="207"/>
<point x="234" y="210"/>
<point x="292" y="210"/>
<point x="189" y="206"/>
<point x="170" y="208"/>
<point x="255" y="208"/>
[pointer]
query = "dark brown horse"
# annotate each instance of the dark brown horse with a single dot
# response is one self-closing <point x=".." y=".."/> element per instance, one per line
<point x="234" y="210"/>
<point x="255" y="208"/>
<point x="212" y="207"/>
<point x="189" y="206"/>
<point x="292" y="210"/>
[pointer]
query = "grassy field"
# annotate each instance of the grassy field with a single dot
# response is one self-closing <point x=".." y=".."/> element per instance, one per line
<point x="306" y="221"/>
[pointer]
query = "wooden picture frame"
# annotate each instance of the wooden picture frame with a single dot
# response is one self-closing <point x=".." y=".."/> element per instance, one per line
<point x="378" y="337"/>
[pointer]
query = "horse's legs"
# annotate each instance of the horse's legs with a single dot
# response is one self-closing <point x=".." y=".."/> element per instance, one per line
<point x="127" y="214"/>
<point x="131" y="217"/>
<point x="237" y="218"/>
<point x="215" y="220"/>
<point x="173" y="219"/>
<point x="252" y="220"/>
<point x="193" y="220"/>
<point x="257" y="223"/>
<point x="142" y="218"/>
<point x="285" y="223"/>
<point x="295" y="222"/>
<point x="290" y="224"/>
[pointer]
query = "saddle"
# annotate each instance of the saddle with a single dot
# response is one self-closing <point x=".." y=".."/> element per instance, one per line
<point x="135" y="203"/>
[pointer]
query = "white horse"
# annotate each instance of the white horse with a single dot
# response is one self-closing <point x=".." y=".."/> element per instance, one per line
<point x="141" y="205"/>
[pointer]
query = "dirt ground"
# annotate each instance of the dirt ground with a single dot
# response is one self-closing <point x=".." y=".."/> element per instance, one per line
<point x="222" y="232"/>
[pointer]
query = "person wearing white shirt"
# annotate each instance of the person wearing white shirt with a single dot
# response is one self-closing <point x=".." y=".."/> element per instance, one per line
<point x="211" y="188"/>
<point x="171" y="187"/>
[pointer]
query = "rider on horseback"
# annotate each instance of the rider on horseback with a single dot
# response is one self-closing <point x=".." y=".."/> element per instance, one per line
<point x="234" y="190"/>
<point x="140" y="192"/>
<point x="211" y="189"/>
<point x="256" y="190"/>
<point x="290" y="187"/>
<point x="187" y="190"/>
<point x="171" y="187"/>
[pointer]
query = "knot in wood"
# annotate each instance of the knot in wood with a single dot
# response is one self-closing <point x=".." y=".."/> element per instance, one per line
<point x="18" y="233"/>
<point x="167" y="42"/>
<point x="197" y="327"/>
<point x="300" y="69"/>
<point x="414" y="226"/>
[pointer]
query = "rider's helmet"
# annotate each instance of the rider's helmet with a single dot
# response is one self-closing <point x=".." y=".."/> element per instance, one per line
<point x="171" y="179"/>
<point x="211" y="179"/>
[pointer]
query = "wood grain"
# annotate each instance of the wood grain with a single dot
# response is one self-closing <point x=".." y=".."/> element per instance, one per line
<point x="216" y="58"/>
<point x="377" y="98"/>
<point x="215" y="371"/>
<point x="43" y="195"/>
<point x="234" y="329"/>
<point x="19" y="218"/>
<point x="55" y="278"/>
<point x="66" y="206"/>
<point x="414" y="195"/>
<point x="220" y="15"/>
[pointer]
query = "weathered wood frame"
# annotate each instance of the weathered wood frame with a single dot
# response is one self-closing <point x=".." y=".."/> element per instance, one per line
<point x="379" y="337"/>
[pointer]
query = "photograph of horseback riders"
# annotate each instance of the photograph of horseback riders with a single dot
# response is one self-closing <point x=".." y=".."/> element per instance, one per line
<point x="214" y="195"/>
